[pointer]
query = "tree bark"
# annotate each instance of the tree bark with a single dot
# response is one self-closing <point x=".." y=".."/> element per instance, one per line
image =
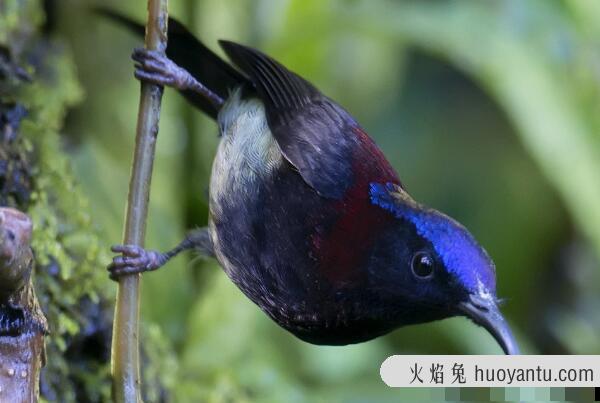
<point x="22" y="323"/>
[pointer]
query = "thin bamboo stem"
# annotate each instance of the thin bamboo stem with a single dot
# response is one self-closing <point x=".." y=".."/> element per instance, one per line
<point x="125" y="363"/>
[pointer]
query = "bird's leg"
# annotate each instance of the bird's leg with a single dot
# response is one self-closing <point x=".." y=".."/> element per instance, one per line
<point x="135" y="259"/>
<point x="157" y="68"/>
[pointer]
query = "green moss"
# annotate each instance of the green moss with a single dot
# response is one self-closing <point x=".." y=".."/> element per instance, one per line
<point x="18" y="20"/>
<point x="71" y="281"/>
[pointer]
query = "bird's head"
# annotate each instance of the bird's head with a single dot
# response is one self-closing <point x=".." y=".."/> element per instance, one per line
<point x="437" y="266"/>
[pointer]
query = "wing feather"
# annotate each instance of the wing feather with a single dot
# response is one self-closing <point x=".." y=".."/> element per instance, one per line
<point x="314" y="133"/>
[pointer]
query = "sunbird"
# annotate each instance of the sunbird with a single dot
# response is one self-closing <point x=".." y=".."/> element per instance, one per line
<point x="306" y="215"/>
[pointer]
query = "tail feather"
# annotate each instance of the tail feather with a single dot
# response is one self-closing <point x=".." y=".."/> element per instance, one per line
<point x="191" y="54"/>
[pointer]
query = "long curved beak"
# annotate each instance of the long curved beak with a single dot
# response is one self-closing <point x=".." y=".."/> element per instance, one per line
<point x="485" y="312"/>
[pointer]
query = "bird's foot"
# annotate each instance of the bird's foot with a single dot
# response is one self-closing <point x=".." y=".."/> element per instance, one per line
<point x="134" y="259"/>
<point x="155" y="67"/>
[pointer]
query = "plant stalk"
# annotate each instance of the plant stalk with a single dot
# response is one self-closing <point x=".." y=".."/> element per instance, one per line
<point x="125" y="363"/>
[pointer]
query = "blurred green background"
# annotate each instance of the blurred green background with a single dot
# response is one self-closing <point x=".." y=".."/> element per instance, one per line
<point x="489" y="111"/>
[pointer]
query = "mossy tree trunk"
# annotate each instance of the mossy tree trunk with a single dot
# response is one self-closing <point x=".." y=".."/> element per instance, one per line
<point x="22" y="323"/>
<point x="38" y="86"/>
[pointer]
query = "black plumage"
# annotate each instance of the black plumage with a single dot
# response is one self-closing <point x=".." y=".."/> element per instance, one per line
<point x="307" y="217"/>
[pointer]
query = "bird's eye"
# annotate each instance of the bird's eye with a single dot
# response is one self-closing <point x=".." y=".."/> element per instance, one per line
<point x="422" y="265"/>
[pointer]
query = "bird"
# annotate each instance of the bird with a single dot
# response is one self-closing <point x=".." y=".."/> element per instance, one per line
<point x="306" y="215"/>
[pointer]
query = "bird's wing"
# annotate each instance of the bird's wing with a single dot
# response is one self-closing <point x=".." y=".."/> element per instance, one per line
<point x="315" y="134"/>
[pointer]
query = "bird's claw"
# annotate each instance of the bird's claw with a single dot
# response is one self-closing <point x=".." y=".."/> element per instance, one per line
<point x="133" y="259"/>
<point x="155" y="67"/>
